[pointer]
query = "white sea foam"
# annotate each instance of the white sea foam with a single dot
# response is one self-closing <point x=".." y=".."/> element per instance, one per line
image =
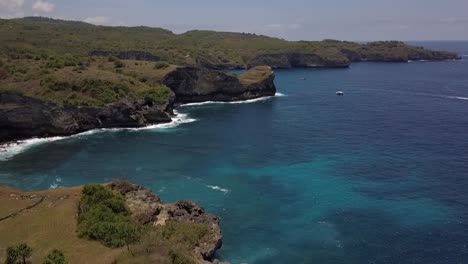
<point x="456" y="97"/>
<point x="12" y="149"/>
<point x="217" y="188"/>
<point x="56" y="183"/>
<point x="9" y="150"/>
<point x="235" y="102"/>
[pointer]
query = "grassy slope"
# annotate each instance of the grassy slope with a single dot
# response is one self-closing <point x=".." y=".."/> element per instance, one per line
<point x="93" y="82"/>
<point x="50" y="225"/>
<point x="53" y="225"/>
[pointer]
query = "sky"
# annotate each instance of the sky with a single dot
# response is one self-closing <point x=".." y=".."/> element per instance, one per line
<point x="354" y="20"/>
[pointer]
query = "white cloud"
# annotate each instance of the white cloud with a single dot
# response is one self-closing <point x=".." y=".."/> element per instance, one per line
<point x="99" y="20"/>
<point x="42" y="6"/>
<point x="11" y="8"/>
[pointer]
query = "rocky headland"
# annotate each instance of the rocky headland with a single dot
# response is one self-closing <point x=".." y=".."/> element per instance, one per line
<point x="24" y="117"/>
<point x="148" y="209"/>
<point x="194" y="84"/>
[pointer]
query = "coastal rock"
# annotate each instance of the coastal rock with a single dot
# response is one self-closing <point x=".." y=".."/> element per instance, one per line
<point x="147" y="208"/>
<point x="144" y="204"/>
<point x="194" y="84"/>
<point x="190" y="212"/>
<point x="24" y="117"/>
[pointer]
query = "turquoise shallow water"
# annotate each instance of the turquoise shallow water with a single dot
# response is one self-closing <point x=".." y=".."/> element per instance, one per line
<point x="376" y="176"/>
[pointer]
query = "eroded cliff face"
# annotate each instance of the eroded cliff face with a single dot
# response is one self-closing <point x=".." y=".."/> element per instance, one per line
<point x="193" y="84"/>
<point x="24" y="117"/>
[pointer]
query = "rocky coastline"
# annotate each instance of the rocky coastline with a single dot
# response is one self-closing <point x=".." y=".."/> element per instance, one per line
<point x="148" y="209"/>
<point x="24" y="117"/>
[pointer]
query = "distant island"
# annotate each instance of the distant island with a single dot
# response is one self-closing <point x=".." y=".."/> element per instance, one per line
<point x="62" y="77"/>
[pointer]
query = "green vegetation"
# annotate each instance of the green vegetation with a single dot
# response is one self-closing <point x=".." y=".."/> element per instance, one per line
<point x="161" y="65"/>
<point x="41" y="38"/>
<point x="172" y="243"/>
<point x="94" y="82"/>
<point x="55" y="257"/>
<point x="51" y="59"/>
<point x="19" y="254"/>
<point x="103" y="216"/>
<point x="182" y="233"/>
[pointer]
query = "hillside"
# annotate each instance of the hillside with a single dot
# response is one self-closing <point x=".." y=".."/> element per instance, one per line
<point x="39" y="38"/>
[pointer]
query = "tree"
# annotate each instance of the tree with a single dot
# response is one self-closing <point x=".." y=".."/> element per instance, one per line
<point x="12" y="255"/>
<point x="24" y="252"/>
<point x="55" y="257"/>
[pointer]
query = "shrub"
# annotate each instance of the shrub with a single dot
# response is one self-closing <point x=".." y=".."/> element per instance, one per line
<point x="111" y="59"/>
<point x="55" y="257"/>
<point x="12" y="255"/>
<point x="158" y="94"/>
<point x="183" y="233"/>
<point x="179" y="258"/>
<point x="3" y="74"/>
<point x="161" y="65"/>
<point x="21" y="252"/>
<point x="103" y="216"/>
<point x="118" y="64"/>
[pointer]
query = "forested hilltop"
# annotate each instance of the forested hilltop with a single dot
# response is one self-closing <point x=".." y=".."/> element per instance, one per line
<point x="44" y="38"/>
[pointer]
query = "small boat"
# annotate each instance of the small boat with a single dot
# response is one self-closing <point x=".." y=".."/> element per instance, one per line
<point x="339" y="93"/>
<point x="303" y="78"/>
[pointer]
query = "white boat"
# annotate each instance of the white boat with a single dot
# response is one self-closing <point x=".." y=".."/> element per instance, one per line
<point x="339" y="93"/>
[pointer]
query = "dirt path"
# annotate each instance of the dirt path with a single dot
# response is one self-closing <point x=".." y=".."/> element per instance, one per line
<point x="23" y="209"/>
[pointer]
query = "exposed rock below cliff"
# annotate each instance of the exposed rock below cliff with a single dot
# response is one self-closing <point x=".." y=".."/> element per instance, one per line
<point x="23" y="117"/>
<point x="193" y="84"/>
<point x="298" y="60"/>
<point x="147" y="208"/>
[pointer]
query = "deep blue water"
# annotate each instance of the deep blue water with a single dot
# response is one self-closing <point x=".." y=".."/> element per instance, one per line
<point x="379" y="175"/>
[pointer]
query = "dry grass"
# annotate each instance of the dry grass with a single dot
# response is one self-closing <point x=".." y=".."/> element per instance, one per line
<point x="255" y="75"/>
<point x="50" y="225"/>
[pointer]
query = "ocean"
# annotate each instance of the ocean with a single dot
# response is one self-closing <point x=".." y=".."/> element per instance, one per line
<point x="379" y="175"/>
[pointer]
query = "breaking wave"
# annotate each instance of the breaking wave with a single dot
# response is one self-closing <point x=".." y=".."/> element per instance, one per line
<point x="217" y="188"/>
<point x="234" y="102"/>
<point x="11" y="149"/>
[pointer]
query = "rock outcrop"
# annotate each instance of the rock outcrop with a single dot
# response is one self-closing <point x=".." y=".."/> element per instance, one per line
<point x="24" y="117"/>
<point x="147" y="208"/>
<point x="194" y="84"/>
